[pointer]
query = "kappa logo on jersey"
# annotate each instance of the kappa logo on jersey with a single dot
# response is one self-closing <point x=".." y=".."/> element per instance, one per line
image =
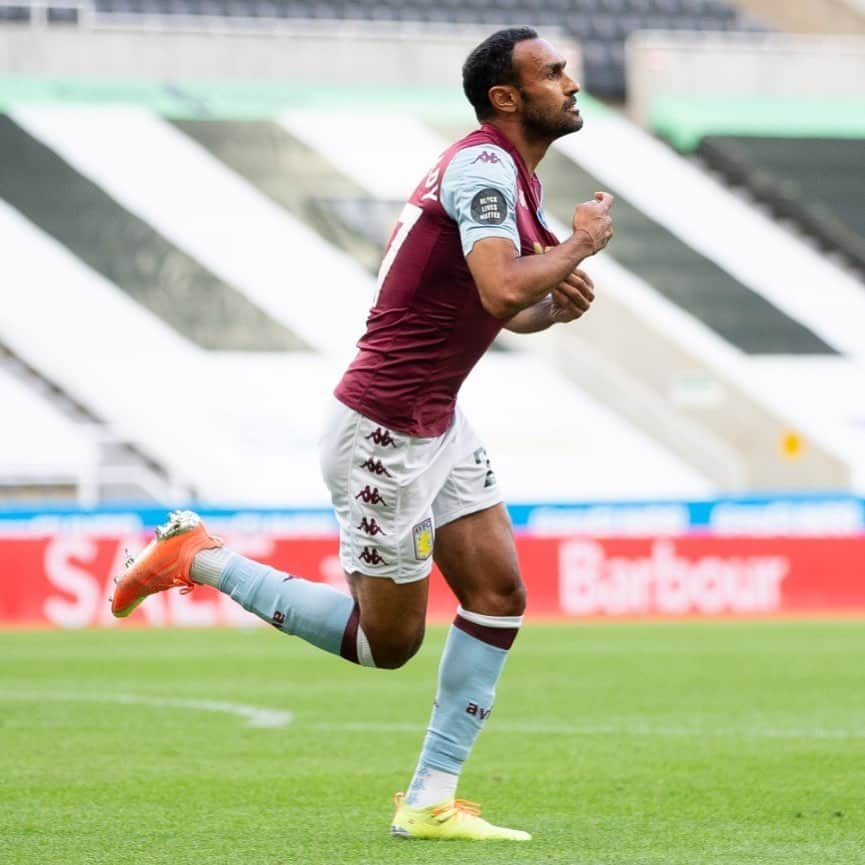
<point x="371" y="496"/>
<point x="371" y="527"/>
<point x="382" y="438"/>
<point x="487" y="157"/>
<point x="522" y="198"/>
<point x="371" y="556"/>
<point x="422" y="535"/>
<point x="489" y="207"/>
<point x="375" y="467"/>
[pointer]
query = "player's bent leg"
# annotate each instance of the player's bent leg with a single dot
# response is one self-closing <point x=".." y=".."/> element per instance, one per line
<point x="477" y="556"/>
<point x="392" y="617"/>
<point x="184" y="554"/>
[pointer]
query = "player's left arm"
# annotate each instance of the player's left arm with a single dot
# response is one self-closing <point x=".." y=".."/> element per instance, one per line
<point x="571" y="299"/>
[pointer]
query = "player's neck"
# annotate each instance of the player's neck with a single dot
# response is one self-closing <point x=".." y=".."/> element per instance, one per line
<point x="531" y="150"/>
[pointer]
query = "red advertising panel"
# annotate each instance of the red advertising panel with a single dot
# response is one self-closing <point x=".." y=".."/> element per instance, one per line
<point x="65" y="580"/>
<point x="696" y="575"/>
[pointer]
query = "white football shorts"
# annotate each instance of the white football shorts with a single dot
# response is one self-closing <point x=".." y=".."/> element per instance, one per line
<point x="390" y="490"/>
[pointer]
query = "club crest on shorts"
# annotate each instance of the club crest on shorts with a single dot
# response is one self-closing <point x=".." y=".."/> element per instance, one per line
<point x="422" y="534"/>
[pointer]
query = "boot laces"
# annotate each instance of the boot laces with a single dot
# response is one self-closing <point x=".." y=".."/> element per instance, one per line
<point x="449" y="809"/>
<point x="458" y="806"/>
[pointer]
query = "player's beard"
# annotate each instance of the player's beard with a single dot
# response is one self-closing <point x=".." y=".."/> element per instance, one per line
<point x="544" y="124"/>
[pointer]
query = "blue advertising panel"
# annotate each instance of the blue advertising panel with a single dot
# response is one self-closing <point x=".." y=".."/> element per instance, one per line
<point x="761" y="516"/>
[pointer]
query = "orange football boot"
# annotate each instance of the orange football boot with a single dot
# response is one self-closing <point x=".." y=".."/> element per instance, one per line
<point x="164" y="563"/>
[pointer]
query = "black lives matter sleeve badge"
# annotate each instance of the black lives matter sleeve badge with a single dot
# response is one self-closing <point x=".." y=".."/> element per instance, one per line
<point x="489" y="207"/>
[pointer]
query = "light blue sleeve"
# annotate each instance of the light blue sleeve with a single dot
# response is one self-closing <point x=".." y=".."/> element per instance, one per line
<point x="479" y="192"/>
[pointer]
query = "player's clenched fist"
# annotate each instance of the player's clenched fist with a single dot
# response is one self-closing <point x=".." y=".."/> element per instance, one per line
<point x="594" y="219"/>
<point x="572" y="297"/>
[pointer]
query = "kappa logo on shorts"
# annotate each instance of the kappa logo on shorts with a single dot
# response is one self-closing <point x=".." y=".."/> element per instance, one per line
<point x="383" y="438"/>
<point x="371" y="496"/>
<point x="371" y="556"/>
<point x="371" y="527"/>
<point x="422" y="535"/>
<point x="375" y="467"/>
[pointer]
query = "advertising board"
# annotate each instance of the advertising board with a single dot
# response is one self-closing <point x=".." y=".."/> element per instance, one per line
<point x="64" y="579"/>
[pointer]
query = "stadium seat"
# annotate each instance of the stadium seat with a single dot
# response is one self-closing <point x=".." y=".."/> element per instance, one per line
<point x="627" y="24"/>
<point x="14" y="13"/>
<point x="580" y="27"/>
<point x="603" y="28"/>
<point x="62" y="15"/>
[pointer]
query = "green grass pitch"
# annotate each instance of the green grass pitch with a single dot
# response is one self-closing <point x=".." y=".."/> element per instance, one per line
<point x="677" y="744"/>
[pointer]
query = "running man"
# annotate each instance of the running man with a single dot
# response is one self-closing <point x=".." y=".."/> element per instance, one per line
<point x="409" y="479"/>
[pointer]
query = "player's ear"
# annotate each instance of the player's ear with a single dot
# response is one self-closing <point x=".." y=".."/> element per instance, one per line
<point x="504" y="98"/>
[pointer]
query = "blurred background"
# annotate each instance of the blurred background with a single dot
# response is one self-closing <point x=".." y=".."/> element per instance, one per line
<point x="194" y="198"/>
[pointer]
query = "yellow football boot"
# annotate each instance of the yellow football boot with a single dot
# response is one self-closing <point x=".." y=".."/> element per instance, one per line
<point x="455" y="820"/>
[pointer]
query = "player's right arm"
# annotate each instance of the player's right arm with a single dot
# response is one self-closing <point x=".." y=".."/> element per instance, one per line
<point x="508" y="283"/>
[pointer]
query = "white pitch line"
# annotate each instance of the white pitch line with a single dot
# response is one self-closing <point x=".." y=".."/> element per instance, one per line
<point x="255" y="716"/>
<point x="635" y="729"/>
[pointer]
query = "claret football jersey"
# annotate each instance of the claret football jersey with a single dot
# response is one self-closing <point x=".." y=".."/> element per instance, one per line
<point x="427" y="327"/>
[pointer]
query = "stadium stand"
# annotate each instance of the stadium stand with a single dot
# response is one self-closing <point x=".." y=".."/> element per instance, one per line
<point x="163" y="177"/>
<point x="704" y="355"/>
<point x="600" y="26"/>
<point x="795" y="147"/>
<point x="44" y="453"/>
<point x="595" y="355"/>
<point x="825" y="196"/>
<point x="302" y="181"/>
<point x="149" y="387"/>
<point x="240" y="398"/>
<point x="815" y="16"/>
<point x="59" y="449"/>
<point x="128" y="252"/>
<point x="688" y="278"/>
<point x="786" y="272"/>
<point x="764" y="257"/>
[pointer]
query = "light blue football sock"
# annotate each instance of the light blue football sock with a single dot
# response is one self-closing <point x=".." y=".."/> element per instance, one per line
<point x="315" y="612"/>
<point x="474" y="655"/>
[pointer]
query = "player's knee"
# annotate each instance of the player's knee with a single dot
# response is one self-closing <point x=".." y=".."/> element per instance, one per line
<point x="395" y="647"/>
<point x="509" y="600"/>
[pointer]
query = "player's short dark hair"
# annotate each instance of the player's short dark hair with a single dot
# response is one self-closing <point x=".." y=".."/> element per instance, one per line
<point x="491" y="63"/>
